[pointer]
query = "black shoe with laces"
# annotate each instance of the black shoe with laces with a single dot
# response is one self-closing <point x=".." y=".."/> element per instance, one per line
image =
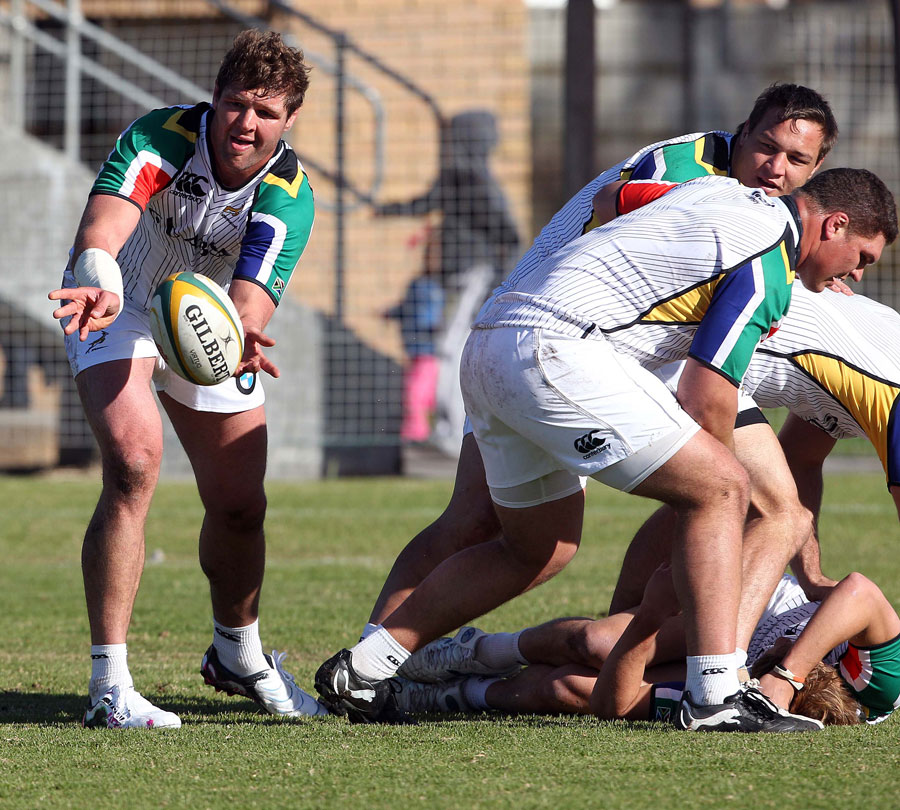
<point x="362" y="701"/>
<point x="748" y="710"/>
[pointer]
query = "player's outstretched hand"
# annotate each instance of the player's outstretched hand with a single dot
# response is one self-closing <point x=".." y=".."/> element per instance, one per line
<point x="91" y="308"/>
<point x="254" y="359"/>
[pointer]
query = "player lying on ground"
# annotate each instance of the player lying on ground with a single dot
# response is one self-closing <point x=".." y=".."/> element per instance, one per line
<point x="854" y="631"/>
<point x="557" y="379"/>
<point x="213" y="189"/>
<point x="782" y="143"/>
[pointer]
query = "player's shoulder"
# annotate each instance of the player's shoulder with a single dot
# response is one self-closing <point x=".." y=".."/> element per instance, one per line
<point x="180" y="122"/>
<point x="285" y="185"/>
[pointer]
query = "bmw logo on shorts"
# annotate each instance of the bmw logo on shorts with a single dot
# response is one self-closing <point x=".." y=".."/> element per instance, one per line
<point x="246" y="383"/>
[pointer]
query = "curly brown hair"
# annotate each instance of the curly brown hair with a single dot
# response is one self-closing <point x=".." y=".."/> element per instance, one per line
<point x="824" y="695"/>
<point x="262" y="61"/>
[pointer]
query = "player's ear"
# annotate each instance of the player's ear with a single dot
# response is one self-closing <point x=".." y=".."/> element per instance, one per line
<point x="835" y="224"/>
<point x="290" y="119"/>
<point x="215" y="95"/>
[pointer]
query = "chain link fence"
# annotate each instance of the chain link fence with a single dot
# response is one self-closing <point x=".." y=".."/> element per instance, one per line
<point x="434" y="145"/>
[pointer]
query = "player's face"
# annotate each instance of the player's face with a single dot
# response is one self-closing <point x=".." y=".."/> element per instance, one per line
<point x="840" y="255"/>
<point x="777" y="157"/>
<point x="245" y="131"/>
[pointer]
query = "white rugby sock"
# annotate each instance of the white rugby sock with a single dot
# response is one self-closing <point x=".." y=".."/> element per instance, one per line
<point x="368" y="630"/>
<point x="109" y="666"/>
<point x="711" y="678"/>
<point x="475" y="692"/>
<point x="239" y="648"/>
<point x="500" y="651"/>
<point x="378" y="656"/>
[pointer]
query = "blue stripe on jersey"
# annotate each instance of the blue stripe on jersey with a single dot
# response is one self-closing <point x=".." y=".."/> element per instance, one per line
<point x="893" y="446"/>
<point x="728" y="304"/>
<point x="256" y="245"/>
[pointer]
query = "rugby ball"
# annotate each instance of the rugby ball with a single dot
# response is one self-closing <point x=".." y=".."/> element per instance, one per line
<point x="196" y="328"/>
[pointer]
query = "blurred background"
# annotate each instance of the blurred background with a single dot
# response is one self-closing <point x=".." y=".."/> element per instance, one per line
<point x="438" y="137"/>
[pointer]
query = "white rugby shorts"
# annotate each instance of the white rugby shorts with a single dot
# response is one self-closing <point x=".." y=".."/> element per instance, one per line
<point x="539" y="403"/>
<point x="129" y="338"/>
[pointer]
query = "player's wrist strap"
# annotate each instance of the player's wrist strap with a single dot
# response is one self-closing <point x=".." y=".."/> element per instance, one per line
<point x="97" y="268"/>
<point x="793" y="680"/>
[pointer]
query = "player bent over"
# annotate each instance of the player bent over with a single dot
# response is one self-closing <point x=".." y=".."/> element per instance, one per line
<point x="784" y="140"/>
<point x="212" y="189"/>
<point x="557" y="382"/>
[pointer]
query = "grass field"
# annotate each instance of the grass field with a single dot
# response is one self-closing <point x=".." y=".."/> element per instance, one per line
<point x="330" y="545"/>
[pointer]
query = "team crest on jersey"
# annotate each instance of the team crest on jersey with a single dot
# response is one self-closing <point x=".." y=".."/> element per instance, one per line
<point x="278" y="286"/>
<point x="232" y="210"/>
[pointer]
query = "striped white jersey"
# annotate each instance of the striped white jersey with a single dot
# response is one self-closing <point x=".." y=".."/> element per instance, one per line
<point x="785" y="616"/>
<point x="676" y="160"/>
<point x="834" y="363"/>
<point x="190" y="221"/>
<point x="704" y="271"/>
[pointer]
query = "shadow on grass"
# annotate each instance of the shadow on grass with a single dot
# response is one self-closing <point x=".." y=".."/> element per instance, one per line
<point x="41" y="708"/>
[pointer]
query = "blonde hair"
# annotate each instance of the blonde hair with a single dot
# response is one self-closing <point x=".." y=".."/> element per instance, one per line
<point x="824" y="695"/>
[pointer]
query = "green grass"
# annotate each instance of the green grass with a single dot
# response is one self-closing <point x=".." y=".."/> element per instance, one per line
<point x="330" y="545"/>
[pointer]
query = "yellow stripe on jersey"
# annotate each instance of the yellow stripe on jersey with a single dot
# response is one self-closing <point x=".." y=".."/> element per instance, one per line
<point x="173" y="126"/>
<point x="868" y="400"/>
<point x="699" y="146"/>
<point x="689" y="307"/>
<point x="290" y="188"/>
<point x="789" y="273"/>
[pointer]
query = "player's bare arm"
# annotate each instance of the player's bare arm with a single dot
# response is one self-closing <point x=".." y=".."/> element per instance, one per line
<point x="621" y="682"/>
<point x="710" y="399"/>
<point x="255" y="307"/>
<point x="106" y="223"/>
<point x="806" y="447"/>
<point x="855" y="610"/>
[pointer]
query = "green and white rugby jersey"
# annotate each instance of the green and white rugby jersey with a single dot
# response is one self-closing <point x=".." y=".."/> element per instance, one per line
<point x="190" y="221"/>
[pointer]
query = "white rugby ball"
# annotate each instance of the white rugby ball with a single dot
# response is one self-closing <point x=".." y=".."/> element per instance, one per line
<point x="196" y="328"/>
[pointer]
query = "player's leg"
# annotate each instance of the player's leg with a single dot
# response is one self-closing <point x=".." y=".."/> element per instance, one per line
<point x="228" y="455"/>
<point x="777" y="523"/>
<point x="122" y="413"/>
<point x="706" y="568"/>
<point x="469" y="519"/>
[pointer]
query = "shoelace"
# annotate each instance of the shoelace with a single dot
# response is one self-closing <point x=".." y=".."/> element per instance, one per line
<point x="448" y="656"/>
<point x="277" y="658"/>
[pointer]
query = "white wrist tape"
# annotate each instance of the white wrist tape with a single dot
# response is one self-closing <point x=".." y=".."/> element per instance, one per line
<point x="96" y="268"/>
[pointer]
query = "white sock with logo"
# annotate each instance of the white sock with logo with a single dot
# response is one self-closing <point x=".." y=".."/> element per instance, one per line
<point x="109" y="666"/>
<point x="378" y="656"/>
<point x="711" y="678"/>
<point x="499" y="651"/>
<point x="239" y="648"/>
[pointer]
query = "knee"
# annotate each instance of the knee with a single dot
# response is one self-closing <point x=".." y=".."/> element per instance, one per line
<point x="564" y="693"/>
<point x="131" y="473"/>
<point x="239" y="516"/>
<point x="726" y="490"/>
<point x="468" y="521"/>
